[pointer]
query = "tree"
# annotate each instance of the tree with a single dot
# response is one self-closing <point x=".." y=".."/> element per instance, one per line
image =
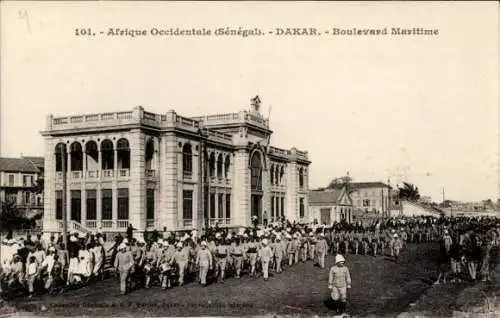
<point x="38" y="186"/>
<point x="12" y="218"/>
<point x="339" y="181"/>
<point x="408" y="192"/>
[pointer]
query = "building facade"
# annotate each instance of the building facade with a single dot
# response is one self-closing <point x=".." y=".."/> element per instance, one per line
<point x="169" y="172"/>
<point x="18" y="182"/>
<point x="369" y="197"/>
<point x="327" y="207"/>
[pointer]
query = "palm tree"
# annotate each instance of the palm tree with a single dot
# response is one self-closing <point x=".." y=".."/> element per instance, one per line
<point x="408" y="192"/>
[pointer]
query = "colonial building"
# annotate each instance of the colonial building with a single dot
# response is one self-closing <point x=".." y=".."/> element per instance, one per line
<point x="18" y="183"/>
<point x="334" y="205"/>
<point x="169" y="172"/>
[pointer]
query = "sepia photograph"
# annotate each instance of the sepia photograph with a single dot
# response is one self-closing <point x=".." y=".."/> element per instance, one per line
<point x="249" y="158"/>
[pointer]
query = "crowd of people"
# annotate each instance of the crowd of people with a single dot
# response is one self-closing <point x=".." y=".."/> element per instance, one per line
<point x="219" y="253"/>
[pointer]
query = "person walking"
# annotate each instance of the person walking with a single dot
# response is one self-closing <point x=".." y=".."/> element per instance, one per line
<point x="265" y="256"/>
<point x="204" y="261"/>
<point x="124" y="262"/>
<point x="339" y="282"/>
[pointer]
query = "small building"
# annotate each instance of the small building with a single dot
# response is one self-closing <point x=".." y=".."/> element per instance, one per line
<point x="330" y="206"/>
<point x="368" y="197"/>
<point x="18" y="180"/>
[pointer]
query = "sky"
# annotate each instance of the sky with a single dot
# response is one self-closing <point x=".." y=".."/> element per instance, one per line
<point x="420" y="109"/>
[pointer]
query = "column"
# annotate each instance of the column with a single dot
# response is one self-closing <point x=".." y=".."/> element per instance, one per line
<point x="83" y="197"/>
<point x="84" y="158"/>
<point x="99" y="161"/>
<point x="98" y="198"/>
<point x="162" y="186"/>
<point x="115" y="205"/>
<point x="169" y="177"/>
<point x="216" y="201"/>
<point x="240" y="212"/>
<point x="277" y="206"/>
<point x="224" y="206"/>
<point x="137" y="184"/>
<point x="68" y="166"/>
<point x="224" y="167"/>
<point x="115" y="163"/>
<point x="68" y="188"/>
<point x="216" y="173"/>
<point x="292" y="212"/>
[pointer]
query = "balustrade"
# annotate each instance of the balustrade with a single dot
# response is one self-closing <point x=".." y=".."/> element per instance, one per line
<point x="188" y="174"/>
<point x="150" y="223"/>
<point x="150" y="173"/>
<point x="106" y="224"/>
<point x="59" y="175"/>
<point x="76" y="174"/>
<point x="92" y="174"/>
<point x="219" y="221"/>
<point x="91" y="224"/>
<point x="187" y="222"/>
<point x="122" y="224"/>
<point x="108" y="116"/>
<point x="124" y="173"/>
<point x="124" y="115"/>
<point x="94" y="117"/>
<point x="76" y="119"/>
<point x="107" y="173"/>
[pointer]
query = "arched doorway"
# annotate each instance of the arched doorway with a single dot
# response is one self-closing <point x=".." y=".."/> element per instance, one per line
<point x="256" y="186"/>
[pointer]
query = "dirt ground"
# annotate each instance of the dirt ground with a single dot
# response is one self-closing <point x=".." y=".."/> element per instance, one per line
<point x="380" y="287"/>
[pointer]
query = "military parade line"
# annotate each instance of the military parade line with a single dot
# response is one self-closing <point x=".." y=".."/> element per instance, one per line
<point x="36" y="266"/>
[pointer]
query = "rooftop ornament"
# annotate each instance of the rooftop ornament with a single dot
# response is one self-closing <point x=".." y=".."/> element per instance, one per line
<point x="255" y="103"/>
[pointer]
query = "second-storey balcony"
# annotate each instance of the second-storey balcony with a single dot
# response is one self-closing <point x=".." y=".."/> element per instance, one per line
<point x="123" y="173"/>
<point x="107" y="174"/>
<point x="92" y="174"/>
<point x="76" y="174"/>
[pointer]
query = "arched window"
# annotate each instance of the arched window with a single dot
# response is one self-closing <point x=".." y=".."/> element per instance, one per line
<point x="123" y="153"/>
<point x="187" y="160"/>
<point x="149" y="153"/>
<point x="256" y="172"/>
<point x="60" y="152"/>
<point x="271" y="174"/>
<point x="301" y="178"/>
<point x="92" y="153"/>
<point x="76" y="156"/>
<point x="282" y="174"/>
<point x="211" y="165"/>
<point x="277" y="180"/>
<point x="107" y="154"/>
<point x="227" y="166"/>
<point x="220" y="164"/>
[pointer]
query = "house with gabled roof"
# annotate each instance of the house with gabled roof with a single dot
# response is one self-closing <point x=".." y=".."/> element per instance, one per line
<point x="18" y="179"/>
<point x="332" y="205"/>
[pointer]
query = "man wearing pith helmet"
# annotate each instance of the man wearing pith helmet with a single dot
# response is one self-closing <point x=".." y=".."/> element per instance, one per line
<point x="265" y="256"/>
<point x="339" y="282"/>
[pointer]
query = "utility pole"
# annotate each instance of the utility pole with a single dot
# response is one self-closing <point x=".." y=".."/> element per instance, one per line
<point x="64" y="186"/>
<point x="388" y="211"/>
